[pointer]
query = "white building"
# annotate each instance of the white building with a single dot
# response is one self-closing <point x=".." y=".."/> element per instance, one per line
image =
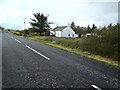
<point x="88" y="34"/>
<point x="63" y="31"/>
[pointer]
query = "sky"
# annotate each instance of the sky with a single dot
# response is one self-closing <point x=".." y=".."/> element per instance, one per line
<point x="60" y="12"/>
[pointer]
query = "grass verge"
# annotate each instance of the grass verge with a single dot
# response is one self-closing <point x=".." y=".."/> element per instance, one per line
<point x="80" y="53"/>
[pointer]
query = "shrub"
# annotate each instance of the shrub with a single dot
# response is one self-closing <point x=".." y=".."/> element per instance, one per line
<point x="104" y="42"/>
<point x="69" y="42"/>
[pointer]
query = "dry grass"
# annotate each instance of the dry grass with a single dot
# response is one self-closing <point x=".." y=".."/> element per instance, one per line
<point x="85" y="54"/>
<point x="14" y="32"/>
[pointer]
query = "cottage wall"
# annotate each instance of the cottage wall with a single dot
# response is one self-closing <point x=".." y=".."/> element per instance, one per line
<point x="52" y="32"/>
<point x="68" y="32"/>
<point x="58" y="34"/>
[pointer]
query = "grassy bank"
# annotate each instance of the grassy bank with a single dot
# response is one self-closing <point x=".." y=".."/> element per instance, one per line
<point x="73" y="48"/>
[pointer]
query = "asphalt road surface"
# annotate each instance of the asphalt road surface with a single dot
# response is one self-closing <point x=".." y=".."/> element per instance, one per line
<point x="29" y="64"/>
<point x="0" y="60"/>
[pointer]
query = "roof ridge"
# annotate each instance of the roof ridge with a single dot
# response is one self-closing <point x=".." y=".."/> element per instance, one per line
<point x="59" y="28"/>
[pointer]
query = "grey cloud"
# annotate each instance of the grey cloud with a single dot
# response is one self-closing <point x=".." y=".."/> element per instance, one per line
<point x="61" y="12"/>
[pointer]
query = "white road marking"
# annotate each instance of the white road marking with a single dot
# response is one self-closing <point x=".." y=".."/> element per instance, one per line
<point x="12" y="37"/>
<point x="38" y="52"/>
<point x="17" y="40"/>
<point x="8" y="35"/>
<point x="96" y="87"/>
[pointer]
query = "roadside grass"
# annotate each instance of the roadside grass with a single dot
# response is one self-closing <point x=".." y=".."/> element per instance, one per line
<point x="97" y="58"/>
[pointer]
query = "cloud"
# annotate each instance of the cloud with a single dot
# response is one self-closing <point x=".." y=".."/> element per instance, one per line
<point x="60" y="12"/>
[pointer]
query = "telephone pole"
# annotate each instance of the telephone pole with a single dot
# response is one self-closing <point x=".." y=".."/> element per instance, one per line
<point x="24" y="23"/>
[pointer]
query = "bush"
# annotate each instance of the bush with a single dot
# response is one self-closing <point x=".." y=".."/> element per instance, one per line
<point x="104" y="42"/>
<point x="48" y="38"/>
<point x="69" y="42"/>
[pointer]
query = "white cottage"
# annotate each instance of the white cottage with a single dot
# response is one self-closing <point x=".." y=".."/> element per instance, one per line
<point x="63" y="31"/>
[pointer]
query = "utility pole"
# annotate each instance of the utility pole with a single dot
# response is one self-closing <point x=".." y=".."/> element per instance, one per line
<point x="24" y="23"/>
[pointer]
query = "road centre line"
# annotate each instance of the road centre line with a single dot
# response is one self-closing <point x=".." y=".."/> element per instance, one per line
<point x="96" y="87"/>
<point x="12" y="37"/>
<point x="8" y="36"/>
<point x="17" y="40"/>
<point x="38" y="52"/>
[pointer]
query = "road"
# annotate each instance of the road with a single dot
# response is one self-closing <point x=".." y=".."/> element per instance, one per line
<point x="0" y="60"/>
<point x="29" y="64"/>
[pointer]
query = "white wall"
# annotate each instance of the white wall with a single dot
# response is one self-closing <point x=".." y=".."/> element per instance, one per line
<point x="64" y="33"/>
<point x="52" y="32"/>
<point x="68" y="32"/>
<point x="58" y="34"/>
<point x="88" y="34"/>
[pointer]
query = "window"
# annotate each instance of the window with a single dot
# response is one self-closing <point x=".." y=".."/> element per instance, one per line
<point x="73" y="35"/>
<point x="68" y="35"/>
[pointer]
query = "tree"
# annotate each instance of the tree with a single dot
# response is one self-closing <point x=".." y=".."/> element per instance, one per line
<point x="25" y="32"/>
<point x="88" y="29"/>
<point x="93" y="27"/>
<point x="1" y="28"/>
<point x="39" y="23"/>
<point x="110" y="26"/>
<point x="78" y="31"/>
<point x="31" y="30"/>
<point x="72" y="25"/>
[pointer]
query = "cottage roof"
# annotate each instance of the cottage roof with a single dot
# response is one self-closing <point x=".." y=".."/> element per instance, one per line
<point x="59" y="28"/>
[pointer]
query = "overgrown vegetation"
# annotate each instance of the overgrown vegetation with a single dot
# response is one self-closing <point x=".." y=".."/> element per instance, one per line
<point x="103" y="42"/>
<point x="82" y="30"/>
